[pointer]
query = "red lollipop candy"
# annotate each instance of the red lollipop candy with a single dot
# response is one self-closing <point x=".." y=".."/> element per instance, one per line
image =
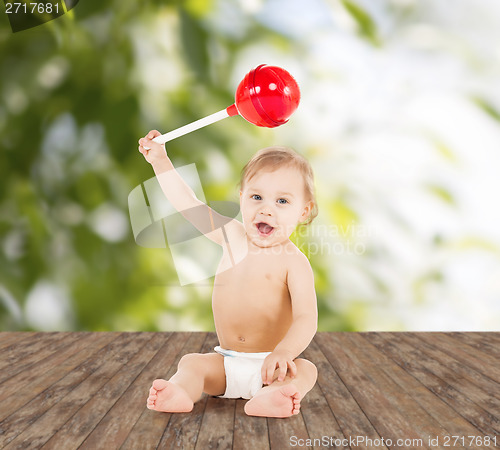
<point x="266" y="97"/>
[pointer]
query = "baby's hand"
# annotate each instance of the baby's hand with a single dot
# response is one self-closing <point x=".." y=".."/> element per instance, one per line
<point x="153" y="152"/>
<point x="279" y="359"/>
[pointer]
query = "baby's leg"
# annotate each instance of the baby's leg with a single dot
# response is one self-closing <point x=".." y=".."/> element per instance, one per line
<point x="196" y="373"/>
<point x="282" y="398"/>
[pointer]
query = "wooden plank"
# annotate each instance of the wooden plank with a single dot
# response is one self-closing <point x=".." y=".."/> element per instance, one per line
<point x="20" y="357"/>
<point x="318" y="419"/>
<point x="350" y="417"/>
<point x="164" y="430"/>
<point x="77" y="388"/>
<point x="250" y="432"/>
<point x="439" y="383"/>
<point x="17" y="398"/>
<point x="182" y="429"/>
<point x="486" y="368"/>
<point x="217" y="426"/>
<point x="410" y="359"/>
<point x="430" y="359"/>
<point x="282" y="430"/>
<point x="141" y="350"/>
<point x="114" y="428"/>
<point x="450" y="421"/>
<point x="318" y="416"/>
<point x="480" y="388"/>
<point x="8" y="338"/>
<point x="378" y="368"/>
<point x="216" y="430"/>
<point x="487" y="343"/>
<point x="25" y="406"/>
<point x="14" y="344"/>
<point x="375" y="403"/>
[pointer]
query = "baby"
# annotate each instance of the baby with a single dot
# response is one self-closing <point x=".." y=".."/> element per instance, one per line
<point x="264" y="302"/>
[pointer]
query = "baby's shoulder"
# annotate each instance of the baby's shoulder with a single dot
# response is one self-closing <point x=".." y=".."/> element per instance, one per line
<point x="295" y="258"/>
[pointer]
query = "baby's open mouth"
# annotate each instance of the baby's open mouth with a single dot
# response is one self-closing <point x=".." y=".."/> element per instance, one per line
<point x="264" y="229"/>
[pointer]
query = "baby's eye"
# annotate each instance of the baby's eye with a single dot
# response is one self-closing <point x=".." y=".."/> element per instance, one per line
<point x="282" y="201"/>
<point x="256" y="197"/>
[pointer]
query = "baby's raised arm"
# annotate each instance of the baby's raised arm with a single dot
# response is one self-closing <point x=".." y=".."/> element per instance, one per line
<point x="180" y="195"/>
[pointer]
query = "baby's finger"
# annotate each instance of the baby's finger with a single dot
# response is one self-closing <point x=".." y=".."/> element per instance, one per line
<point x="149" y="144"/>
<point x="152" y="134"/>
<point x="293" y="369"/>
<point x="283" y="368"/>
<point x="263" y="374"/>
<point x="146" y="143"/>
<point x="267" y="374"/>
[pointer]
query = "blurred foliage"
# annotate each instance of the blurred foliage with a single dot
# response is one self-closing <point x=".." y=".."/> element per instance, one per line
<point x="366" y="25"/>
<point x="72" y="111"/>
<point x="78" y="92"/>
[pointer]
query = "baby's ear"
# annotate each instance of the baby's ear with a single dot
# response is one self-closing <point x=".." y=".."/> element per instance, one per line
<point x="307" y="211"/>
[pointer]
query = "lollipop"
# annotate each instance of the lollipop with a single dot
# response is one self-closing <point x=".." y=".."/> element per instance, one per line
<point x="266" y="97"/>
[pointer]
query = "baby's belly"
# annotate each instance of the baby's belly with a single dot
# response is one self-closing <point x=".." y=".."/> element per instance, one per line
<point x="250" y="329"/>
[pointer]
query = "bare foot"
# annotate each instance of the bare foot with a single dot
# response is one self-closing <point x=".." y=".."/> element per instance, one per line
<point x="165" y="396"/>
<point x="279" y="401"/>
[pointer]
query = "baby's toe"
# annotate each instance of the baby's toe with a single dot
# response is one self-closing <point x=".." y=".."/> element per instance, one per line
<point x="159" y="384"/>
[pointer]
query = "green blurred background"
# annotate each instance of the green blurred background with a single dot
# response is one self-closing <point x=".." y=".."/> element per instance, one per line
<point x="400" y="118"/>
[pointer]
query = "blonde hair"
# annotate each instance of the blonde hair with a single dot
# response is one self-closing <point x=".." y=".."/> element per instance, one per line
<point x="273" y="158"/>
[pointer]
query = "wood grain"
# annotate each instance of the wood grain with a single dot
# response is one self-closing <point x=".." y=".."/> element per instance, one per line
<point x="89" y="390"/>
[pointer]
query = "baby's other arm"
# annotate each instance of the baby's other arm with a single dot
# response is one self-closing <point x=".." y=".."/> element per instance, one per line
<point x="300" y="279"/>
<point x="182" y="197"/>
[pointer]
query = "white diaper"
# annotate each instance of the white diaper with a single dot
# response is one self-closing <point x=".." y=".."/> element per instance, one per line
<point x="243" y="378"/>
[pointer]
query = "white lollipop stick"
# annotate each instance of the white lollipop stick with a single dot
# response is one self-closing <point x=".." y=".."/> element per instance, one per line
<point x="212" y="118"/>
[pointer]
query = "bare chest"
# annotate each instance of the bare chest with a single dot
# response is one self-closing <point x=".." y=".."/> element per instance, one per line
<point x="262" y="275"/>
<point x="251" y="304"/>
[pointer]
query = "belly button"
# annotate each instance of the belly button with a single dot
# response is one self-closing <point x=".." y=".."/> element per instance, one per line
<point x="241" y="339"/>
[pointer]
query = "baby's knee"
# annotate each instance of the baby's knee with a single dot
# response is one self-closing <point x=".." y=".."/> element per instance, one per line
<point x="306" y="366"/>
<point x="190" y="359"/>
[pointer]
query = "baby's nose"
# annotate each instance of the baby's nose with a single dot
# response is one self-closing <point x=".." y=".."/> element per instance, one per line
<point x="266" y="212"/>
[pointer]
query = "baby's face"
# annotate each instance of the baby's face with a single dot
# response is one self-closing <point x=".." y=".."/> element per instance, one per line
<point x="272" y="204"/>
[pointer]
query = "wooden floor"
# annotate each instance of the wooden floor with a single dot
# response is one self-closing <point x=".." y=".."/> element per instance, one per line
<point x="88" y="390"/>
